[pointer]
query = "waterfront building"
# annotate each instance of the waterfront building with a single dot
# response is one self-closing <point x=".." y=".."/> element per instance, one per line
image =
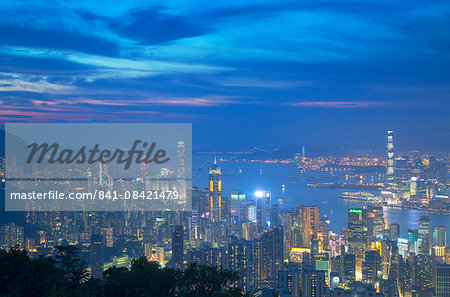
<point x="424" y="235"/>
<point x="390" y="156"/>
<point x="394" y="231"/>
<point x="439" y="236"/>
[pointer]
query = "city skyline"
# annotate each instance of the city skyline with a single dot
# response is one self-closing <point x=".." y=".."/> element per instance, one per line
<point x="225" y="149"/>
<point x="388" y="241"/>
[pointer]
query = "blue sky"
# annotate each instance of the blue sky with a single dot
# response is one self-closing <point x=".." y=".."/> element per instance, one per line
<point x="245" y="73"/>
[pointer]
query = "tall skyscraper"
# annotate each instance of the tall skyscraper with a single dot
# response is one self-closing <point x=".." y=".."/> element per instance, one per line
<point x="177" y="247"/>
<point x="438" y="171"/>
<point x="405" y="276"/>
<point x="373" y="216"/>
<point x="390" y="156"/>
<point x="96" y="259"/>
<point x="309" y="219"/>
<point x="357" y="237"/>
<point x="243" y="257"/>
<point x="349" y="266"/>
<point x="439" y="236"/>
<point x="422" y="268"/>
<point x="238" y="206"/>
<point x="263" y="201"/>
<point x="275" y="216"/>
<point x="424" y="235"/>
<point x="402" y="169"/>
<point x="371" y="268"/>
<point x="272" y="253"/>
<point x="394" y="231"/>
<point x="215" y="193"/>
<point x="442" y="280"/>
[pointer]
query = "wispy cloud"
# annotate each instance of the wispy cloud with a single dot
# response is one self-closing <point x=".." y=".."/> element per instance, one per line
<point x="340" y="104"/>
<point x="102" y="67"/>
<point x="35" y="84"/>
<point x="207" y="101"/>
<point x="259" y="83"/>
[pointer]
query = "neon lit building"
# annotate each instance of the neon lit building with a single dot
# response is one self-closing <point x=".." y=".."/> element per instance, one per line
<point x="215" y="193"/>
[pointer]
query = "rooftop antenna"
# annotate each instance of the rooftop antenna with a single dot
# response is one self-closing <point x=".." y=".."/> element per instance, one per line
<point x="215" y="159"/>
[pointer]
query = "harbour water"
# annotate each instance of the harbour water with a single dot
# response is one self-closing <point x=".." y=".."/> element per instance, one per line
<point x="248" y="177"/>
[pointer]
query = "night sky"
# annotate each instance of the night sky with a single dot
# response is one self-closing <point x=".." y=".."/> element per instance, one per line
<point x="248" y="73"/>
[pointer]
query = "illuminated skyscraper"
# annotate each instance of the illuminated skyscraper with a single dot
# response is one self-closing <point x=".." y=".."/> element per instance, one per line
<point x="309" y="217"/>
<point x="357" y="237"/>
<point x="215" y="193"/>
<point x="263" y="209"/>
<point x="422" y="272"/>
<point x="238" y="206"/>
<point x="390" y="156"/>
<point x="424" y="235"/>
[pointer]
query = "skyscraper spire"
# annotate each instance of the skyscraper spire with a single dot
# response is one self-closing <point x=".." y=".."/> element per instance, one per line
<point x="215" y="159"/>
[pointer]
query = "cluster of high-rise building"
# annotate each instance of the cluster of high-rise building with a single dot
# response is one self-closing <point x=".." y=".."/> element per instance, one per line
<point x="297" y="254"/>
<point x="291" y="251"/>
<point x="415" y="181"/>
